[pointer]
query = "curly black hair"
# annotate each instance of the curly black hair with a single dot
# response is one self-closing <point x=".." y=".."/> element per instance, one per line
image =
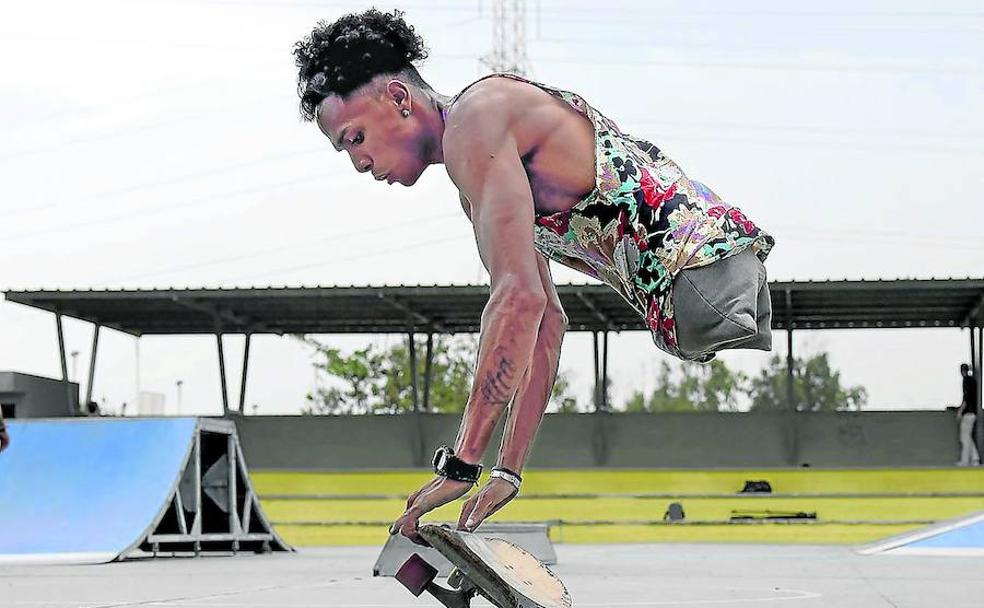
<point x="337" y="58"/>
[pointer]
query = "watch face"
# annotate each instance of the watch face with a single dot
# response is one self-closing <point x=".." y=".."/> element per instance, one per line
<point x="442" y="461"/>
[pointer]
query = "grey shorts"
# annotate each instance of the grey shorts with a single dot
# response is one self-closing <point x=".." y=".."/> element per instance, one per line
<point x="723" y="305"/>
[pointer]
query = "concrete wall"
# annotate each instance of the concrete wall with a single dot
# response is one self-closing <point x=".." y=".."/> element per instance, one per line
<point x="36" y="396"/>
<point x="615" y="440"/>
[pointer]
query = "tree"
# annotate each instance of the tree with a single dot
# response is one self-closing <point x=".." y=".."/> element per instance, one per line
<point x="816" y="387"/>
<point x="714" y="387"/>
<point x="562" y="401"/>
<point x="695" y="387"/>
<point x="371" y="380"/>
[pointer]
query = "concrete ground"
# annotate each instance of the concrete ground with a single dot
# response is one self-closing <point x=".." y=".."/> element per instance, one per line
<point x="597" y="575"/>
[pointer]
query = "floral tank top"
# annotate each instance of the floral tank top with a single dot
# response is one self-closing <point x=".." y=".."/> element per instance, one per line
<point x="643" y="223"/>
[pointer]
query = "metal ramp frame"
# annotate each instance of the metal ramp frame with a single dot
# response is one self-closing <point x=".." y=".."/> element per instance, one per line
<point x="95" y="490"/>
<point x="213" y="507"/>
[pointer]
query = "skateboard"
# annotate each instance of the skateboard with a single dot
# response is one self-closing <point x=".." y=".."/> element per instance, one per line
<point x="504" y="574"/>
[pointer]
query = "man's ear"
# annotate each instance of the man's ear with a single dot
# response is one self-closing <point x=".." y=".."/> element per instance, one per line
<point x="399" y="93"/>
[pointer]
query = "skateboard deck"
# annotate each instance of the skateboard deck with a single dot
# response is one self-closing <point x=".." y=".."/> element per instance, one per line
<point x="506" y="575"/>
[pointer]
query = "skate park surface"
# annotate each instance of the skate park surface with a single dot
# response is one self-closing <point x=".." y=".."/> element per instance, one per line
<point x="639" y="575"/>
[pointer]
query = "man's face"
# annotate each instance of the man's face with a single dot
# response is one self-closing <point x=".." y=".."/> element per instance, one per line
<point x="374" y="133"/>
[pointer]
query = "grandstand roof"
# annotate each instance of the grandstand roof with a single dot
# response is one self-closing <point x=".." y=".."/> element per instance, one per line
<point x="828" y="304"/>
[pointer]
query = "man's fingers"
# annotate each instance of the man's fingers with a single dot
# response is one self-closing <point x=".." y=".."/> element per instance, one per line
<point x="479" y="512"/>
<point x="396" y="525"/>
<point x="409" y="530"/>
<point x="410" y="515"/>
<point x="466" y="511"/>
<point x="487" y="502"/>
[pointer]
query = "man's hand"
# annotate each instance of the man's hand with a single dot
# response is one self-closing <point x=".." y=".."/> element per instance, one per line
<point x="4" y="438"/>
<point x="436" y="492"/>
<point x="493" y="496"/>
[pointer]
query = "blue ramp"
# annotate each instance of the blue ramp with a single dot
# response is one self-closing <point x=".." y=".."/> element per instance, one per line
<point x="92" y="490"/>
<point x="958" y="537"/>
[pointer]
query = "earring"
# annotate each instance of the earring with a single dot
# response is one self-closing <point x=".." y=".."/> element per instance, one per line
<point x="405" y="113"/>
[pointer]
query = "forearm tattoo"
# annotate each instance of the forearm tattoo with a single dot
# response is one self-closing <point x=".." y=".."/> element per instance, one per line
<point x="497" y="385"/>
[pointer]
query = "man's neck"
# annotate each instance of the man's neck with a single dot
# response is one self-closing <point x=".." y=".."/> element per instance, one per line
<point x="433" y="119"/>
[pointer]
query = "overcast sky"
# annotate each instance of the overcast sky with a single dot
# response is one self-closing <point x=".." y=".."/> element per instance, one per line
<point x="157" y="143"/>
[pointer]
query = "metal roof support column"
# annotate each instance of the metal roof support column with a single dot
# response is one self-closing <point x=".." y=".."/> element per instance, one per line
<point x="64" y="363"/>
<point x="980" y="389"/>
<point x="789" y="351"/>
<point x="222" y="373"/>
<point x="413" y="371"/>
<point x="975" y="372"/>
<point x="790" y="362"/>
<point x="604" y="372"/>
<point x="597" y="380"/>
<point x="973" y="350"/>
<point x="242" y="383"/>
<point x="92" y="367"/>
<point x="791" y="430"/>
<point x="428" y="366"/>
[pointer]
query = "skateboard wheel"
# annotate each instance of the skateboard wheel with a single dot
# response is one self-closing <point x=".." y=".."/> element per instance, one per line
<point x="415" y="574"/>
<point x="455" y="579"/>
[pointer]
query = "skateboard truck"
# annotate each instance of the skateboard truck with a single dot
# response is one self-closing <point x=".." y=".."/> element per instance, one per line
<point x="418" y="576"/>
<point x="501" y="572"/>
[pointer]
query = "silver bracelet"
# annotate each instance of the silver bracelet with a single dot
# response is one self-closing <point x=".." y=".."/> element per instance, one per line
<point x="513" y="479"/>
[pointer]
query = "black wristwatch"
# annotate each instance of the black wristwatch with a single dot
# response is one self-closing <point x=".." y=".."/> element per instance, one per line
<point x="446" y="464"/>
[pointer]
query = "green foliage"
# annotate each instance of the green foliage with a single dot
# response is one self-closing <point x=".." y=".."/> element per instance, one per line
<point x="816" y="387"/>
<point x="715" y="387"/>
<point x="561" y="399"/>
<point x="372" y="380"/>
<point x="694" y="388"/>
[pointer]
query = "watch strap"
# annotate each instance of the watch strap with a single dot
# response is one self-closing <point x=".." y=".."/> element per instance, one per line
<point x="506" y="475"/>
<point x="448" y="465"/>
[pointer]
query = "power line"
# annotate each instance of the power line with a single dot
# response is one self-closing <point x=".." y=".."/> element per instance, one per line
<point x="808" y="129"/>
<point x="335" y="237"/>
<point x="868" y="241"/>
<point x="128" y="130"/>
<point x="376" y="253"/>
<point x="609" y="9"/>
<point x="167" y="207"/>
<point x="728" y="65"/>
<point x="169" y="181"/>
<point x="806" y="145"/>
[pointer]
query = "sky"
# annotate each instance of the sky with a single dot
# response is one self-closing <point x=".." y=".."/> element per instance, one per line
<point x="157" y="143"/>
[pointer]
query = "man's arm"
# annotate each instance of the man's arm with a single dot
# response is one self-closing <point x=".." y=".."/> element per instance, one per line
<point x="963" y="401"/>
<point x="483" y="161"/>
<point x="533" y="396"/>
<point x="526" y="411"/>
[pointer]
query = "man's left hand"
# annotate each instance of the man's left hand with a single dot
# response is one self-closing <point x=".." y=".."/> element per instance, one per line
<point x="436" y="492"/>
<point x="493" y="496"/>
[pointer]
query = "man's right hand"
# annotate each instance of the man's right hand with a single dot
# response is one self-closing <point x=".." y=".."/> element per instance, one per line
<point x="4" y="439"/>
<point x="438" y="491"/>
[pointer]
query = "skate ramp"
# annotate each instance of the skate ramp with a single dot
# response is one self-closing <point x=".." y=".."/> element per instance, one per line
<point x="96" y="490"/>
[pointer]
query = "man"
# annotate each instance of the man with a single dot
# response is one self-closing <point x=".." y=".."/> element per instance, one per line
<point x="966" y="418"/>
<point x="4" y="437"/>
<point x="541" y="174"/>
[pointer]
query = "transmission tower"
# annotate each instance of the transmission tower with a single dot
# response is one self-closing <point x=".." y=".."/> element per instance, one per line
<point x="508" y="38"/>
